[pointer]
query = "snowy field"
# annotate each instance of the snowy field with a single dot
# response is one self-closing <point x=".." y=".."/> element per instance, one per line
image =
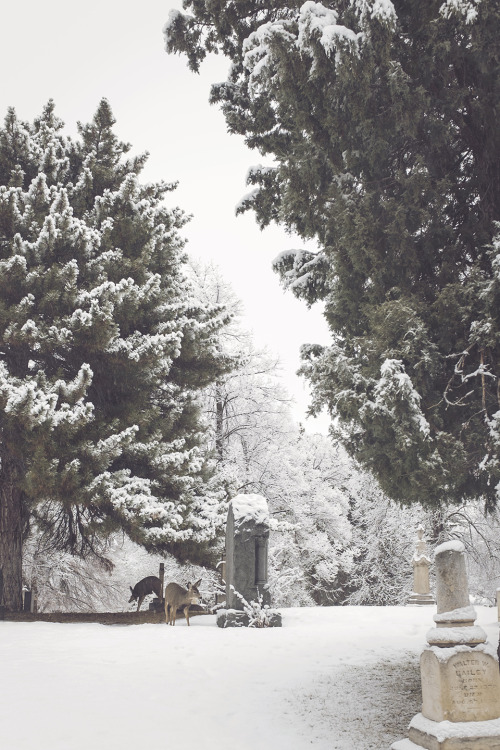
<point x="337" y="678"/>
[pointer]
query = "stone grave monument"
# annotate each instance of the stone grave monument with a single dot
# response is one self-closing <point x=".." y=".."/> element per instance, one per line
<point x="459" y="670"/>
<point x="247" y="540"/>
<point x="421" y="590"/>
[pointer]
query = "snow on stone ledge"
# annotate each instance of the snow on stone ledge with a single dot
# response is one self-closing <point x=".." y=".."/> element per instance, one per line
<point x="250" y="508"/>
<point x="458" y="636"/>
<point x="453" y="546"/>
<point x="405" y="744"/>
<point x="417" y="556"/>
<point x="444" y="654"/>
<point x="444" y="730"/>
<point x="461" y="614"/>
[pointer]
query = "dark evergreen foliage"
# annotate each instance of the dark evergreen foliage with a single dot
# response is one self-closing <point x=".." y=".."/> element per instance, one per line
<point x="382" y="119"/>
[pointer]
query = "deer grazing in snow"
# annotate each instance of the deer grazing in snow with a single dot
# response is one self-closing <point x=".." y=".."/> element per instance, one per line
<point x="177" y="596"/>
<point x="148" y="585"/>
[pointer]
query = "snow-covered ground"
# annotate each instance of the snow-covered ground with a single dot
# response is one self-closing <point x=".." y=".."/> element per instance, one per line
<point x="337" y="678"/>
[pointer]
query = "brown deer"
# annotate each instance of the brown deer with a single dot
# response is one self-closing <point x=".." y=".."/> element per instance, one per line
<point x="177" y="596"/>
<point x="148" y="585"/>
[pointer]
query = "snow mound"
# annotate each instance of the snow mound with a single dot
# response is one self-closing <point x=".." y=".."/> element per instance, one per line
<point x="444" y="654"/>
<point x="461" y="614"/>
<point x="453" y="546"/>
<point x="250" y="508"/>
<point x="445" y="730"/>
<point x="460" y="635"/>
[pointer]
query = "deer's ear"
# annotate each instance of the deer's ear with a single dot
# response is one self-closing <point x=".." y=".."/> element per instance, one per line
<point x="132" y="590"/>
<point x="195" y="585"/>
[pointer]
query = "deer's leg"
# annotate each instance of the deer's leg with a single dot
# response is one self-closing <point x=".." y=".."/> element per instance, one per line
<point x="141" y="599"/>
<point x="186" y="613"/>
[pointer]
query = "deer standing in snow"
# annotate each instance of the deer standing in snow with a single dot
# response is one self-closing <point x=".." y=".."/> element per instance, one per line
<point x="177" y="596"/>
<point x="148" y="585"/>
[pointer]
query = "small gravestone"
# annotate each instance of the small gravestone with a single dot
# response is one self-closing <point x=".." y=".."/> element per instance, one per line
<point x="158" y="603"/>
<point x="421" y="590"/>
<point x="459" y="670"/>
<point x="246" y="574"/>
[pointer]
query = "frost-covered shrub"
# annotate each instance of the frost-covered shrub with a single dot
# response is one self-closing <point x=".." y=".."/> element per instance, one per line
<point x="384" y="538"/>
<point x="257" y="614"/>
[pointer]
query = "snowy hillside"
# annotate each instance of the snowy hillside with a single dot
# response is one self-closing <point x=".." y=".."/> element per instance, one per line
<point x="333" y="678"/>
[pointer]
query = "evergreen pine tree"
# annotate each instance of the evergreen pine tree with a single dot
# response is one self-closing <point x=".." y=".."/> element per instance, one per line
<point x="382" y="120"/>
<point x="103" y="349"/>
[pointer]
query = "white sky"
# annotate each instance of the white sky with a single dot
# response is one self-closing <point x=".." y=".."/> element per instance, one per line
<point x="77" y="53"/>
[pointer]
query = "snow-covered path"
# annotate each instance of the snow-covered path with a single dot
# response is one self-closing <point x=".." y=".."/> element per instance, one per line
<point x="332" y="678"/>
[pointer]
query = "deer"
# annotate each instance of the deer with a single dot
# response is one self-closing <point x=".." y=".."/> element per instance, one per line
<point x="148" y="585"/>
<point x="177" y="596"/>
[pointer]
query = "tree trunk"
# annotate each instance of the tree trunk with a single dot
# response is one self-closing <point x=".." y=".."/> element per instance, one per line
<point x="219" y="422"/>
<point x="11" y="539"/>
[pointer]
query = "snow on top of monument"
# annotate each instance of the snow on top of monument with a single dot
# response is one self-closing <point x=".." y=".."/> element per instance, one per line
<point x="444" y="730"/>
<point x="421" y="556"/>
<point x="456" y="636"/>
<point x="250" y="508"/>
<point x="460" y="614"/>
<point x="453" y="546"/>
<point x="444" y="653"/>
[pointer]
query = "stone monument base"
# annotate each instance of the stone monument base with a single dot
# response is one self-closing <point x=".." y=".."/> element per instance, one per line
<point x="447" y="735"/>
<point x="421" y="599"/>
<point x="234" y="618"/>
<point x="157" y="605"/>
<point x="460" y="684"/>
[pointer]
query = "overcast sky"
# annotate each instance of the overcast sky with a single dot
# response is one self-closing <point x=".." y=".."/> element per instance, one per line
<point x="77" y="53"/>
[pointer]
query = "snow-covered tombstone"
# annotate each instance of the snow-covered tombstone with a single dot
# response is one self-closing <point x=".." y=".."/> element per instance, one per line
<point x="459" y="669"/>
<point x="103" y="351"/>
<point x="247" y="541"/>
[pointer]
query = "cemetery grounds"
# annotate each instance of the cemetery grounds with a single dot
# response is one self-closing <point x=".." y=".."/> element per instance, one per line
<point x="336" y="678"/>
